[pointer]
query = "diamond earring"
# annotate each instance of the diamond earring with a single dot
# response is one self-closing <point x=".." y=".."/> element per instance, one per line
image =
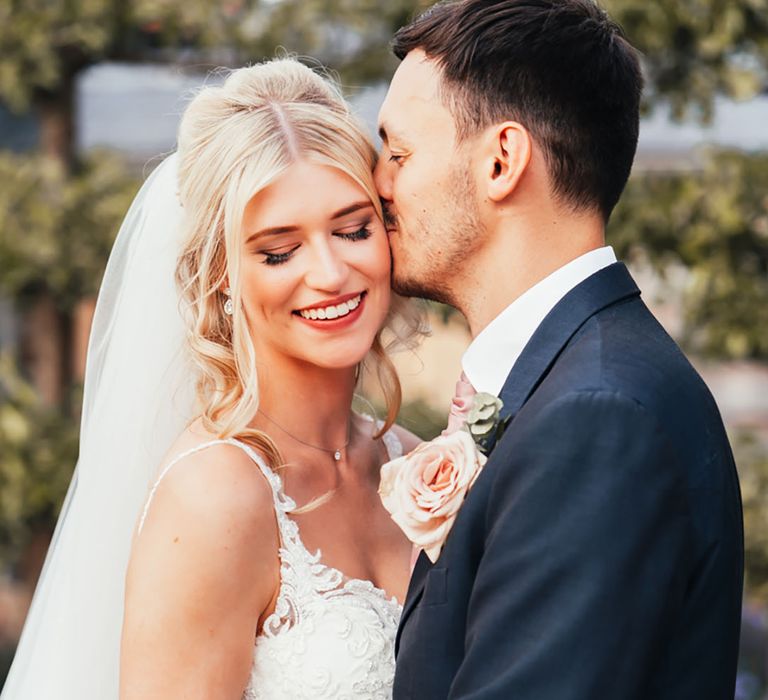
<point x="229" y="307"/>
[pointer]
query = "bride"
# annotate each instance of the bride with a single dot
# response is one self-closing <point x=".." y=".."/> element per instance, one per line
<point x="223" y="536"/>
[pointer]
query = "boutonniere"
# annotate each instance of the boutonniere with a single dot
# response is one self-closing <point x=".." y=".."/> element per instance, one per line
<point x="484" y="422"/>
<point x="424" y="490"/>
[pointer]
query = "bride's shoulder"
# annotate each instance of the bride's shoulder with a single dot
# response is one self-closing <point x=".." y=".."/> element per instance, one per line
<point x="203" y="479"/>
<point x="208" y="542"/>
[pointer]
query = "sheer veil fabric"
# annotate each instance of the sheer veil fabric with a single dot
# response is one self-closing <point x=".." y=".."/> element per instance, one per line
<point x="138" y="397"/>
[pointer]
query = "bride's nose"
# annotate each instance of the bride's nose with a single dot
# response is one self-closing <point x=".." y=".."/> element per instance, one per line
<point x="327" y="270"/>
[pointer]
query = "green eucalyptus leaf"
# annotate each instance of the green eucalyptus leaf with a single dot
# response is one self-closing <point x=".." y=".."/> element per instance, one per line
<point x="481" y="428"/>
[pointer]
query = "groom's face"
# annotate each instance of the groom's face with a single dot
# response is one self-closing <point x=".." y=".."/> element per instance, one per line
<point x="425" y="180"/>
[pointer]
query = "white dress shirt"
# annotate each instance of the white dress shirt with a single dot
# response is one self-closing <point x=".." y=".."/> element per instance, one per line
<point x="493" y="353"/>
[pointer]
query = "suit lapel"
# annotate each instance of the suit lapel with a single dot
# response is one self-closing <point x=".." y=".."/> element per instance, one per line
<point x="606" y="287"/>
<point x="415" y="588"/>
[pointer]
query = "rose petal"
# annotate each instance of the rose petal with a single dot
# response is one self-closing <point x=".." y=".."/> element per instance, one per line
<point x="424" y="490"/>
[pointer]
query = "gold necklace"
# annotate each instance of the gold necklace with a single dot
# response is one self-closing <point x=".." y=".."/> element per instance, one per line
<point x="336" y="453"/>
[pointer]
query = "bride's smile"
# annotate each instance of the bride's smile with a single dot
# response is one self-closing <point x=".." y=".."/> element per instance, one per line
<point x="332" y="309"/>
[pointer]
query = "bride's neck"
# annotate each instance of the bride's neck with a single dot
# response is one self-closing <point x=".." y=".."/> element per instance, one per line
<point x="309" y="402"/>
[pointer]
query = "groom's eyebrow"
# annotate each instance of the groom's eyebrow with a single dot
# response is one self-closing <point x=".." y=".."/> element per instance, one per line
<point x="386" y="134"/>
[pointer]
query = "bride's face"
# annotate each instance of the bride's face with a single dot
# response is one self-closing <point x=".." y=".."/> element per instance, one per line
<point x="315" y="268"/>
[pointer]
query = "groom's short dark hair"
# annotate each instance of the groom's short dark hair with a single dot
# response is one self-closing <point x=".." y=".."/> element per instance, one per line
<point x="562" y="68"/>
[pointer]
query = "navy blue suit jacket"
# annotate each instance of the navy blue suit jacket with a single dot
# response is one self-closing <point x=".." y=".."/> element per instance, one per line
<point x="599" y="555"/>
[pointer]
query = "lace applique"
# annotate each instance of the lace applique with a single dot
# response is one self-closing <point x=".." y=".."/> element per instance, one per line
<point x="303" y="575"/>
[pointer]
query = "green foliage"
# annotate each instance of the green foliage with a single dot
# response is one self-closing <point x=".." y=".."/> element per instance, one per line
<point x="42" y="40"/>
<point x="44" y="43"/>
<point x="421" y="419"/>
<point x="752" y="459"/>
<point x="55" y="230"/>
<point x="693" y="50"/>
<point x="712" y="222"/>
<point x="38" y="449"/>
<point x="350" y="36"/>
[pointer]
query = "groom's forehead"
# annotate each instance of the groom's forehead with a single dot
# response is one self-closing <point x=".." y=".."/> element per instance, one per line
<point x="417" y="77"/>
<point x="415" y="86"/>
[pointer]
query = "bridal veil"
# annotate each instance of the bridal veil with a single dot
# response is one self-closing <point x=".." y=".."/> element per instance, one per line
<point x="138" y="397"/>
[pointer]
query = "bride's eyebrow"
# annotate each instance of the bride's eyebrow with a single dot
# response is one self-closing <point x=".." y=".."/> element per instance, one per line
<point x="273" y="231"/>
<point x="352" y="208"/>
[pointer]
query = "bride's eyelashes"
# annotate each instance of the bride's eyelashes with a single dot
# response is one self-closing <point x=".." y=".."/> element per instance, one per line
<point x="361" y="234"/>
<point x="278" y="258"/>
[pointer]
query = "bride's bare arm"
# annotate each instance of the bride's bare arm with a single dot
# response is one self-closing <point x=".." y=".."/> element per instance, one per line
<point x="203" y="571"/>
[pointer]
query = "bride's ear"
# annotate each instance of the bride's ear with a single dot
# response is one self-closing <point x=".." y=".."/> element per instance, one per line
<point x="509" y="153"/>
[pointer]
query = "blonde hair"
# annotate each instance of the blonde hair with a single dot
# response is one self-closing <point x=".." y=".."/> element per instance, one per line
<point x="234" y="140"/>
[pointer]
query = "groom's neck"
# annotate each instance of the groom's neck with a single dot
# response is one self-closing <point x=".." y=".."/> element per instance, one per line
<point x="519" y="253"/>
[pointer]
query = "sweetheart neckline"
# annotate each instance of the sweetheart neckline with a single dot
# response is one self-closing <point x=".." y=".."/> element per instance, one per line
<point x="317" y="557"/>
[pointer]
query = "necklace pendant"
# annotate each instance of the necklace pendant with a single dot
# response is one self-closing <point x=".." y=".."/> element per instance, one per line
<point x="337" y="455"/>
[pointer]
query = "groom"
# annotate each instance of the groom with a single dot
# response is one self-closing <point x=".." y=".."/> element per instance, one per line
<point x="599" y="554"/>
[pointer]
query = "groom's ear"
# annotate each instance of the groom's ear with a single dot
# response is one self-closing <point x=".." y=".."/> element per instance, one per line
<point x="509" y="152"/>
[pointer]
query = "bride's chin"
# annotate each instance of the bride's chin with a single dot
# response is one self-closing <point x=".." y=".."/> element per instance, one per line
<point x="342" y="360"/>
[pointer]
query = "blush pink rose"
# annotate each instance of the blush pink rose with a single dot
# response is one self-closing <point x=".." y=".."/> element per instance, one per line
<point x="424" y="490"/>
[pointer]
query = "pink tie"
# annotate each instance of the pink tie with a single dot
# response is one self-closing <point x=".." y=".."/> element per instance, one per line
<point x="461" y="403"/>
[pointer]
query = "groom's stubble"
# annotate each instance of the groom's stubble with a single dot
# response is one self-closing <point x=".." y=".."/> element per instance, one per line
<point x="432" y="252"/>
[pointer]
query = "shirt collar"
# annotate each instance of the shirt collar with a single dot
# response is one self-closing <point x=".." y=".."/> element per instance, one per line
<point x="494" y="351"/>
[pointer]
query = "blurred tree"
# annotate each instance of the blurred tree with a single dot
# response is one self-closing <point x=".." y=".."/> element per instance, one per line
<point x="753" y="473"/>
<point x="713" y="223"/>
<point x="38" y="447"/>
<point x="695" y="50"/>
<point x="57" y="229"/>
<point x="422" y="419"/>
<point x="45" y="44"/>
<point x="73" y="220"/>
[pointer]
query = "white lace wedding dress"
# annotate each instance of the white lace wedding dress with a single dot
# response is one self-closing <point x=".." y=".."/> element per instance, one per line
<point x="330" y="636"/>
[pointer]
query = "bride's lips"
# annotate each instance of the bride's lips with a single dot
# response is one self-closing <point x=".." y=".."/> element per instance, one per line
<point x="332" y="324"/>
